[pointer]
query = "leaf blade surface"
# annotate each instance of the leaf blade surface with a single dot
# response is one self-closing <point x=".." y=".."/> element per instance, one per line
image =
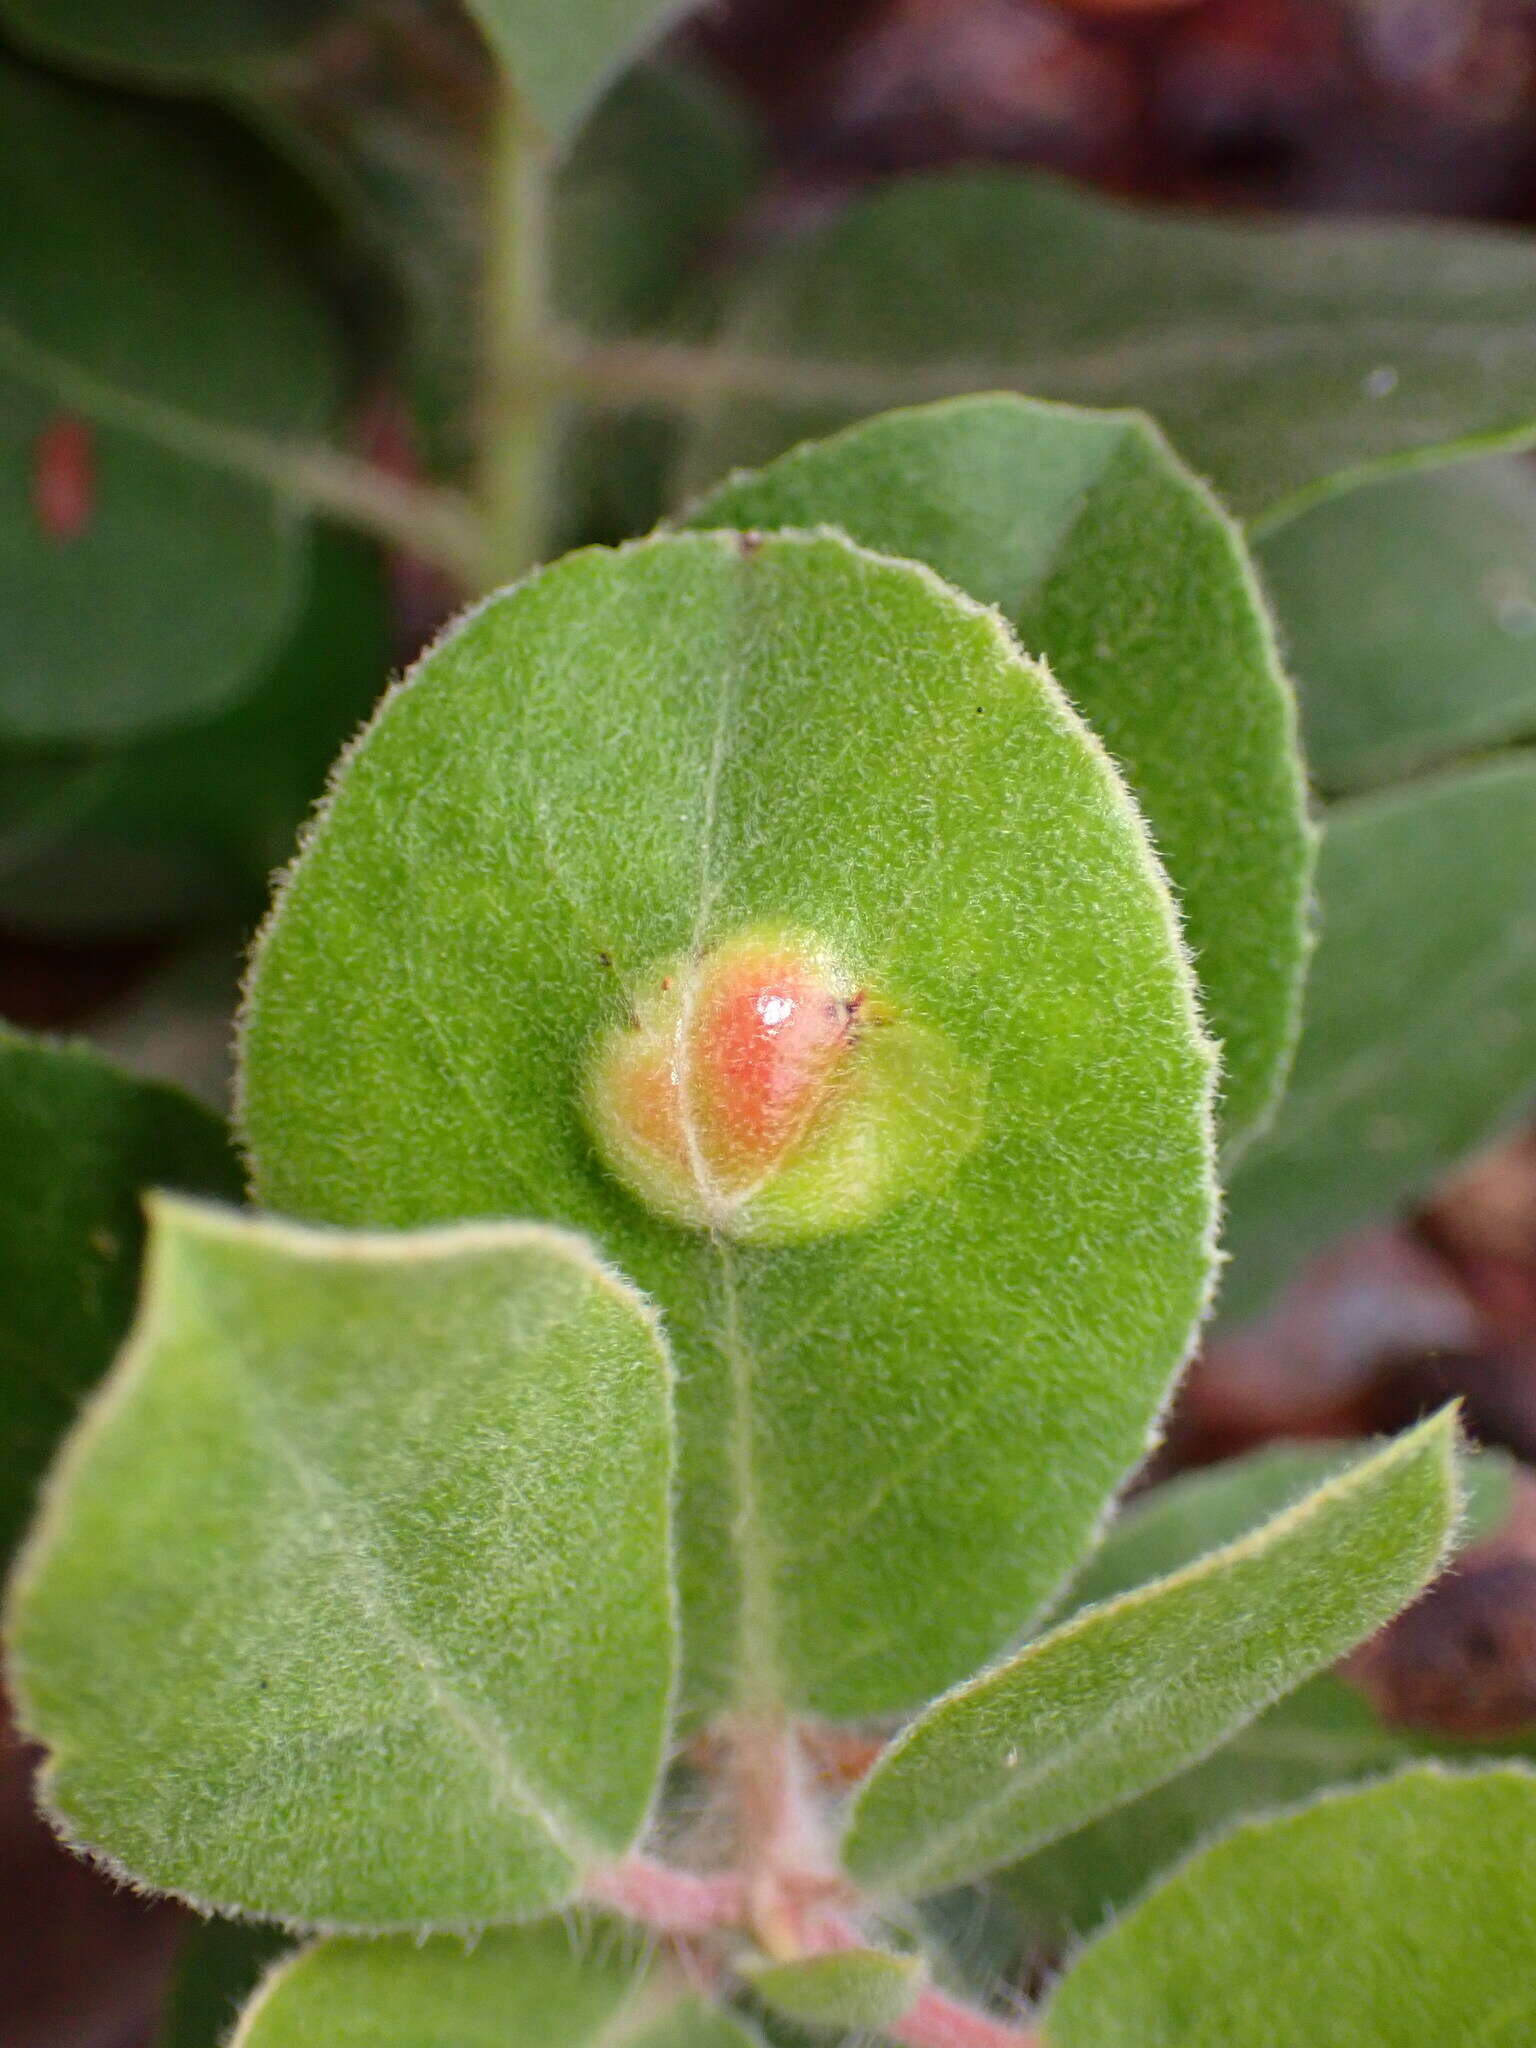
<point x="1374" y="1919"/>
<point x="1109" y="559"/>
<point x="639" y="753"/>
<point x="547" y="1986"/>
<point x="390" y="1641"/>
<point x="1126" y="1694"/>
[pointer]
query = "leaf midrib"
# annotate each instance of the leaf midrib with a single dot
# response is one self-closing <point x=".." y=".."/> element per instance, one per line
<point x="335" y="1507"/>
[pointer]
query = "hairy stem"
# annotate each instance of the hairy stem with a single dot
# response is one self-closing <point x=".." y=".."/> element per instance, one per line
<point x="674" y="1902"/>
<point x="938" y="2021"/>
<point x="520" y="387"/>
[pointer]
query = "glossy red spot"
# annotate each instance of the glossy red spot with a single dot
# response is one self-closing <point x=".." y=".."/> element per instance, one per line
<point x="64" y="478"/>
<point x="768" y="1037"/>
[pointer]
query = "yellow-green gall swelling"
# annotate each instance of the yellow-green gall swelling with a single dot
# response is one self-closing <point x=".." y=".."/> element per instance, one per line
<point x="763" y="1091"/>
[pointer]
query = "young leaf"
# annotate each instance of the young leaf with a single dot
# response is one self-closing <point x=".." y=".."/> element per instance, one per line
<point x="1182" y="1519"/>
<point x="1113" y="562"/>
<point x="1377" y="1919"/>
<point x="145" y="578"/>
<point x="858" y="1987"/>
<point x="534" y="1987"/>
<point x="79" y="1144"/>
<point x="560" y="55"/>
<point x="187" y="826"/>
<point x="388" y="1642"/>
<point x="1284" y="360"/>
<point x="590" y="788"/>
<point x="1410" y="618"/>
<point x="1428" y="895"/>
<point x="1323" y="1737"/>
<point x="165" y="42"/>
<point x="1126" y="1694"/>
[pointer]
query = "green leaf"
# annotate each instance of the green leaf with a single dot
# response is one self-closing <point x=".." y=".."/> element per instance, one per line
<point x="1410" y="617"/>
<point x="388" y="1641"/>
<point x="1428" y="898"/>
<point x="79" y="1144"/>
<point x="537" y="1987"/>
<point x="1284" y="360"/>
<point x="1181" y="1520"/>
<point x="1126" y="1694"/>
<point x="640" y="753"/>
<point x="665" y="163"/>
<point x="146" y="578"/>
<point x="218" y="1966"/>
<point x="188" y="825"/>
<point x="1174" y="1524"/>
<point x="1109" y="559"/>
<point x="857" y="1987"/>
<point x="1376" y="1919"/>
<point x="1322" y="1737"/>
<point x="559" y="56"/>
<point x="164" y="42"/>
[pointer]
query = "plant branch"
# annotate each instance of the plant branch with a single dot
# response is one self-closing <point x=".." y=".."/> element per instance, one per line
<point x="678" y="375"/>
<point x="675" y="1902"/>
<point x="438" y="525"/>
<point x="520" y="384"/>
<point x="936" y="2020"/>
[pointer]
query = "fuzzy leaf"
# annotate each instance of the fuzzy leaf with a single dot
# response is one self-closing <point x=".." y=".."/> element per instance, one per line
<point x="1126" y="1694"/>
<point x="1284" y="360"/>
<point x="1410" y="619"/>
<point x="641" y="753"/>
<point x="1115" y="564"/>
<point x="1376" y="1919"/>
<point x="79" y="1144"/>
<point x="560" y="55"/>
<point x="145" y="579"/>
<point x="164" y="42"/>
<point x="1428" y="945"/>
<point x="859" y="1987"/>
<point x="1322" y="1737"/>
<point x="535" y="1987"/>
<point x="1179" y="1521"/>
<point x="388" y="1641"/>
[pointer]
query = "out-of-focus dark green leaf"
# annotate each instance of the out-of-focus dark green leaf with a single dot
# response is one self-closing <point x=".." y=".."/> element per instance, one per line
<point x="187" y="827"/>
<point x="80" y="1142"/>
<point x="1285" y="360"/>
<point x="197" y="43"/>
<point x="1409" y="613"/>
<point x="158" y="338"/>
<point x="1419" y="1041"/>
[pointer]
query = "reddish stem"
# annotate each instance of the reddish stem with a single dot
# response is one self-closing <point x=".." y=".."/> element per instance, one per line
<point x="938" y="2021"/>
<point x="671" y="1901"/>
